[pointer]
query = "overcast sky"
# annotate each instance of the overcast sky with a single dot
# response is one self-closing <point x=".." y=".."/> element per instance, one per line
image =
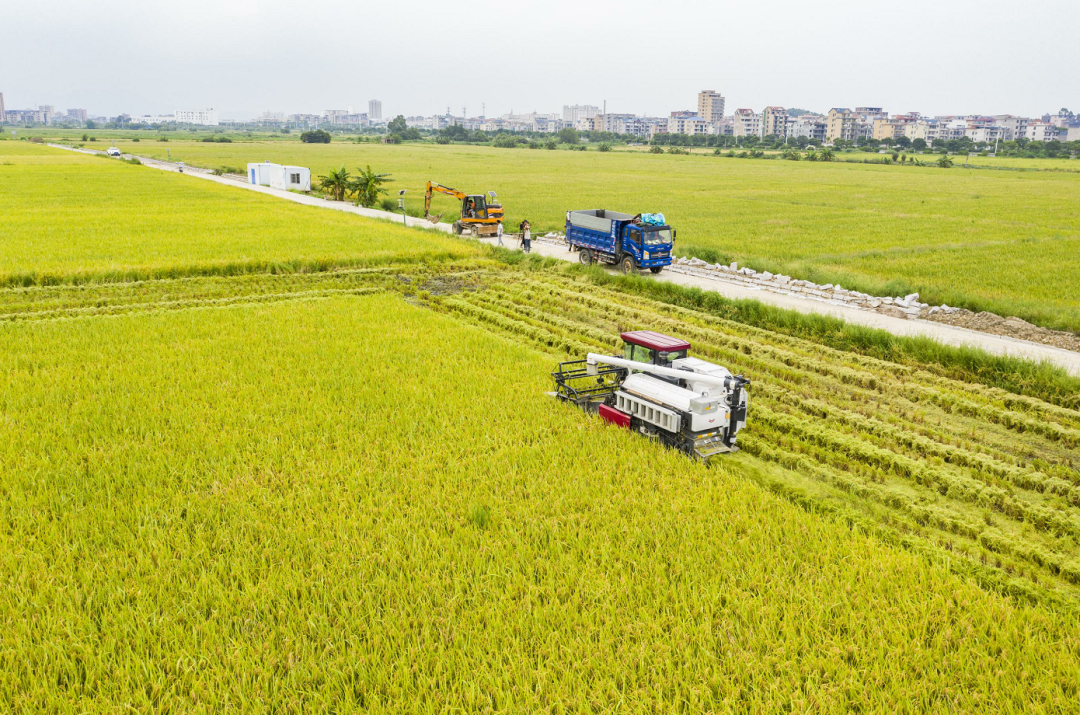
<point x="643" y="56"/>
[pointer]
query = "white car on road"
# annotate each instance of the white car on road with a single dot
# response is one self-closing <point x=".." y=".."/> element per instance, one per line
<point x="113" y="151"/>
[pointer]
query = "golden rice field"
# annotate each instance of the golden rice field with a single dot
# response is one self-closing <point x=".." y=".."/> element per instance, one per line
<point x="1004" y="241"/>
<point x="75" y="217"/>
<point x="340" y="486"/>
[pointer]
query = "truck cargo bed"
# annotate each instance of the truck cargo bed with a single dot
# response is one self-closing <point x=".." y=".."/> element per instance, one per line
<point x="596" y="219"/>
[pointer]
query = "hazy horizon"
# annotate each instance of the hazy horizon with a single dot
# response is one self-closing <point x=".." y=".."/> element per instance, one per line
<point x="244" y="57"/>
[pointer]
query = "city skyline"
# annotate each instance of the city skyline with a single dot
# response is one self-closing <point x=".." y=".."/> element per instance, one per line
<point x="920" y="60"/>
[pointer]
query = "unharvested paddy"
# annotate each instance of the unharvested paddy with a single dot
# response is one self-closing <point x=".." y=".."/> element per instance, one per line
<point x="1005" y="241"/>
<point x="353" y="502"/>
<point x="70" y="217"/>
<point x="317" y="486"/>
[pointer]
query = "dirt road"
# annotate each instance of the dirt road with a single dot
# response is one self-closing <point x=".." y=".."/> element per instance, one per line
<point x="947" y="334"/>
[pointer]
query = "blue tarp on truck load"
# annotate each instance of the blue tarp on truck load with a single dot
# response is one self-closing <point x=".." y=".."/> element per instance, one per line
<point x="653" y="219"/>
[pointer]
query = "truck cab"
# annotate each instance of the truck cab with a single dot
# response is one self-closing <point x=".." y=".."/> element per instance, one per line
<point x="649" y="245"/>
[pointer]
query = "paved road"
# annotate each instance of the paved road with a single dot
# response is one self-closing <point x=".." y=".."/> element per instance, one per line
<point x="948" y="334"/>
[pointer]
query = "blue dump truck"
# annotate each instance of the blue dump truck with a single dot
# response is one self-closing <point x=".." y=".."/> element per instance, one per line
<point x="630" y="242"/>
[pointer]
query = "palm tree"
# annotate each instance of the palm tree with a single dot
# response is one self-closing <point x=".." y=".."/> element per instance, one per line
<point x="337" y="183"/>
<point x="826" y="155"/>
<point x="945" y="161"/>
<point x="368" y="186"/>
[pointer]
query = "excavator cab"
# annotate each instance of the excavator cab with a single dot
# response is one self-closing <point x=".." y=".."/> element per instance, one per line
<point x="473" y="207"/>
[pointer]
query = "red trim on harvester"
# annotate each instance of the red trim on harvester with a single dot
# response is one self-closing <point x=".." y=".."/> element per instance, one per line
<point x="654" y="341"/>
<point x="614" y="416"/>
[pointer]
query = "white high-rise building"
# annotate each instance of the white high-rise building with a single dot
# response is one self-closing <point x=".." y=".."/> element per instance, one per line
<point x="576" y="112"/>
<point x="3" y="114"/>
<point x="374" y="109"/>
<point x="205" y="117"/>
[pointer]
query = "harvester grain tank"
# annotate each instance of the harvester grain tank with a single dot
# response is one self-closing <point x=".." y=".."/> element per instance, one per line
<point x="631" y="242"/>
<point x="658" y="390"/>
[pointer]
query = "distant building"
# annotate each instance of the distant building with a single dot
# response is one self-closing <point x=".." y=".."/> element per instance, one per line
<point x="609" y="122"/>
<point x="725" y="126"/>
<point x="690" y="125"/>
<point x="1041" y="131"/>
<point x="745" y="123"/>
<point x="573" y="113"/>
<point x="374" y="109"/>
<point x="811" y="126"/>
<point x="345" y="117"/>
<point x="775" y="121"/>
<point x="892" y="128"/>
<point x="154" y="119"/>
<point x="276" y="176"/>
<point x="987" y="133"/>
<point x="841" y="124"/>
<point x="27" y="116"/>
<point x="204" y="117"/>
<point x="710" y="106"/>
<point x="925" y="129"/>
<point x="1013" y="127"/>
<point x="871" y="114"/>
<point x="1061" y="120"/>
<point x="76" y="115"/>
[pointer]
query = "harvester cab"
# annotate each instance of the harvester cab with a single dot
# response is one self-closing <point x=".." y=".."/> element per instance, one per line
<point x="658" y="390"/>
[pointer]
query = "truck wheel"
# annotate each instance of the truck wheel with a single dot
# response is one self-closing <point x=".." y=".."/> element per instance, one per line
<point x="656" y="269"/>
<point x="457" y="228"/>
<point x="585" y="256"/>
<point x="627" y="265"/>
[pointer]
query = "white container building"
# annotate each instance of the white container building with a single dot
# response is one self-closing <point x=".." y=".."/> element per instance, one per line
<point x="277" y="176"/>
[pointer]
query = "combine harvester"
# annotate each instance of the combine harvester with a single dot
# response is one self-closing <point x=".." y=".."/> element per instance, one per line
<point x="655" y="389"/>
<point x="479" y="214"/>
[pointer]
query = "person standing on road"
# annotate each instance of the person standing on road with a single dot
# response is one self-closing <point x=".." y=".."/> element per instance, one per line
<point x="526" y="237"/>
<point x="499" y="232"/>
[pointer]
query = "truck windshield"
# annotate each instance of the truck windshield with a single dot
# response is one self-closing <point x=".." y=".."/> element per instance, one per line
<point x="657" y="238"/>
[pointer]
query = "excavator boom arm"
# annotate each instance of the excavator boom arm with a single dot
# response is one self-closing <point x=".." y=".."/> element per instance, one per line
<point x="432" y="187"/>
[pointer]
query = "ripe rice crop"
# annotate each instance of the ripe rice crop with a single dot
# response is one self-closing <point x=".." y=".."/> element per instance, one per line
<point x="988" y="479"/>
<point x="1004" y="241"/>
<point x="72" y="218"/>
<point x="340" y="486"/>
<point x="349" y="502"/>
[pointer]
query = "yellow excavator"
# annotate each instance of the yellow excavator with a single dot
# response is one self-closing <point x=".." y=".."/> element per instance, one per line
<point x="480" y="214"/>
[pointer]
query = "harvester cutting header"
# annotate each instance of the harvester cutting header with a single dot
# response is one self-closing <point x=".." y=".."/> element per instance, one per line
<point x="657" y="390"/>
